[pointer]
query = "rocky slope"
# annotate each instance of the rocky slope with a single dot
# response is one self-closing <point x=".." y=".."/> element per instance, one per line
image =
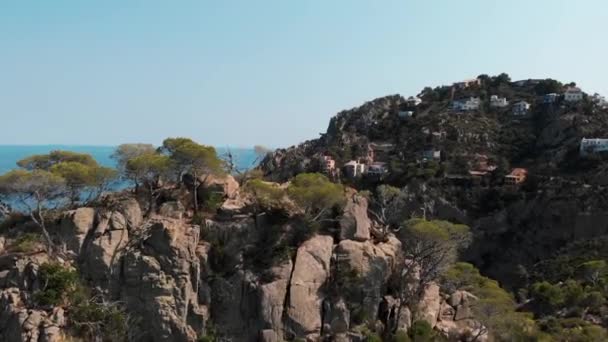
<point x="562" y="200"/>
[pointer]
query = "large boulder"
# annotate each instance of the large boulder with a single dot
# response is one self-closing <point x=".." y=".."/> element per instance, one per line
<point x="104" y="246"/>
<point x="272" y="298"/>
<point x="161" y="281"/>
<point x="172" y="209"/>
<point x="75" y="224"/>
<point x="225" y="185"/>
<point x="430" y="304"/>
<point x="355" y="224"/>
<point x="370" y="265"/>
<point x="311" y="270"/>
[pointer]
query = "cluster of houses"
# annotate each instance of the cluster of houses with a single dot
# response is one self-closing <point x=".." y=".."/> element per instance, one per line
<point x="368" y="166"/>
<point x="571" y="95"/>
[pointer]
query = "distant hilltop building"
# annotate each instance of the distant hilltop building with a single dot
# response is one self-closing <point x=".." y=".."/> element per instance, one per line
<point x="413" y="101"/>
<point x="472" y="103"/>
<point x="550" y="98"/>
<point x="516" y="177"/>
<point x="498" y="102"/>
<point x="590" y="146"/>
<point x="521" y="108"/>
<point x="467" y="83"/>
<point x="522" y="83"/>
<point x="377" y="169"/>
<point x="404" y="114"/>
<point x="354" y="169"/>
<point x="573" y="94"/>
<point x="599" y="100"/>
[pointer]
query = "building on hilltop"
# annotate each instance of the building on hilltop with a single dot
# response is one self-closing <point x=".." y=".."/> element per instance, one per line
<point x="521" y="108"/>
<point x="467" y="83"/>
<point x="471" y="103"/>
<point x="522" y="83"/>
<point x="405" y="114"/>
<point x="431" y="154"/>
<point x="516" y="177"/>
<point x="573" y="94"/>
<point x="590" y="146"/>
<point x="377" y="170"/>
<point x="550" y="98"/>
<point x="498" y="102"/>
<point x="354" y="169"/>
<point x="600" y="100"/>
<point x="413" y="101"/>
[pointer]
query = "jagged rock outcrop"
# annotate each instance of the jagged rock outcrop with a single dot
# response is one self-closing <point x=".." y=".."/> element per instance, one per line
<point x="18" y="323"/>
<point x="372" y="265"/>
<point x="355" y="223"/>
<point x="74" y="227"/>
<point x="103" y="247"/>
<point x="311" y="270"/>
<point x="161" y="281"/>
<point x="225" y="185"/>
<point x="430" y="304"/>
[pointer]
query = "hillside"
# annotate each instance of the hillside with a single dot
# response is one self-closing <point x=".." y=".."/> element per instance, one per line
<point x="467" y="213"/>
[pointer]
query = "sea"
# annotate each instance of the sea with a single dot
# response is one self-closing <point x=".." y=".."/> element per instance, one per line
<point x="245" y="158"/>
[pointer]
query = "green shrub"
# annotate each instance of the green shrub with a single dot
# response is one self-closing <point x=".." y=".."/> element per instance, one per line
<point x="421" y="331"/>
<point x="26" y="243"/>
<point x="401" y="336"/>
<point x="58" y="284"/>
<point x="212" y="201"/>
<point x="90" y="319"/>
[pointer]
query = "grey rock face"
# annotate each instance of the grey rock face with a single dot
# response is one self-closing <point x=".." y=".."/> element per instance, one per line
<point x="311" y="270"/>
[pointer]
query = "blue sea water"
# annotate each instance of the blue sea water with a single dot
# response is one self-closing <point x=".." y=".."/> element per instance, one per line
<point x="9" y="155"/>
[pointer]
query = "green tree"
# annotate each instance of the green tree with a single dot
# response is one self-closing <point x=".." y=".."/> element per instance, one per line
<point x="126" y="152"/>
<point x="266" y="195"/>
<point x="429" y="247"/>
<point x="315" y="194"/>
<point x="148" y="170"/>
<point x="46" y="161"/>
<point x="594" y="271"/>
<point x="34" y="190"/>
<point x="494" y="310"/>
<point x="193" y="159"/>
<point x="386" y="207"/>
<point x="80" y="171"/>
<point x="79" y="178"/>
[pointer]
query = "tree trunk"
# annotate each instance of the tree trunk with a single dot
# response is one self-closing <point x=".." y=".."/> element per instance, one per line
<point x="195" y="193"/>
<point x="151" y="201"/>
<point x="40" y="222"/>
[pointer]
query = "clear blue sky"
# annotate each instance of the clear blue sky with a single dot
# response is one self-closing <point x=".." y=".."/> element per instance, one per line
<point x="265" y="72"/>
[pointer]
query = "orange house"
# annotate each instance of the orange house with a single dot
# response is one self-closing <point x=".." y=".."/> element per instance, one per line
<point x="516" y="177"/>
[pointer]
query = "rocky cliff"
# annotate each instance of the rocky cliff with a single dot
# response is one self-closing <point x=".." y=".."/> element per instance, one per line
<point x="180" y="281"/>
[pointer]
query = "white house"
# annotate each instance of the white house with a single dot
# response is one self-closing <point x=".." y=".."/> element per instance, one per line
<point x="354" y="169"/>
<point x="573" y="94"/>
<point x="521" y="108"/>
<point x="498" y="102"/>
<point x="593" y="146"/>
<point x="404" y="114"/>
<point x="472" y="103"/>
<point x="413" y="101"/>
